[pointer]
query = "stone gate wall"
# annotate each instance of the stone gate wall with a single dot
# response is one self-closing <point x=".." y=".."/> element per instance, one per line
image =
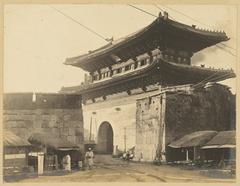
<point x="27" y="113"/>
<point x="180" y="114"/>
<point x="119" y="111"/>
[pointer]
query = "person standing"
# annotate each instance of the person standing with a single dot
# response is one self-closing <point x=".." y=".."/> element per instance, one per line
<point x="56" y="162"/>
<point x="128" y="157"/>
<point x="89" y="158"/>
<point x="67" y="162"/>
<point x="80" y="160"/>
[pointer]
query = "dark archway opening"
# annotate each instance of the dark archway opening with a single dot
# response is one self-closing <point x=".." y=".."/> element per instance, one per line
<point x="105" y="139"/>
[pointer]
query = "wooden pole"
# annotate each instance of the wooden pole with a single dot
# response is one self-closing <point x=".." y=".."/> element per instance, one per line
<point x="125" y="139"/>
<point x="90" y="135"/>
<point x="187" y="155"/>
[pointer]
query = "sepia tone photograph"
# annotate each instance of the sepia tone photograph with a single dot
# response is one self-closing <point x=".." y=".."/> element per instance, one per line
<point x="119" y="93"/>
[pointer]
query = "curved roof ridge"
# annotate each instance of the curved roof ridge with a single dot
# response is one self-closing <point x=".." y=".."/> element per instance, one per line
<point x="204" y="38"/>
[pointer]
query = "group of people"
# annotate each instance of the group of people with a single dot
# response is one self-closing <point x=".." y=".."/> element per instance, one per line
<point x="128" y="156"/>
<point x="88" y="163"/>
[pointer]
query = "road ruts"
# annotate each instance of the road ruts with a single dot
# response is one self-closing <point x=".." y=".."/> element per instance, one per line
<point x="127" y="170"/>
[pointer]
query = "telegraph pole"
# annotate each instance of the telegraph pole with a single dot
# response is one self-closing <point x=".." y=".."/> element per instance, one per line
<point x="125" y="139"/>
<point x="90" y="136"/>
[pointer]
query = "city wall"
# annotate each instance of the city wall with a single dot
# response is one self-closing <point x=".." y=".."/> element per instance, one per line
<point x="27" y="113"/>
<point x="168" y="116"/>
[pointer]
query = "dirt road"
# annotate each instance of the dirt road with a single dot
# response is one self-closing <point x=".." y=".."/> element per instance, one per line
<point x="108" y="169"/>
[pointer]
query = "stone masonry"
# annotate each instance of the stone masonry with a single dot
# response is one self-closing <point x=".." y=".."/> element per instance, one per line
<point x="167" y="116"/>
<point x="27" y="113"/>
<point x="119" y="110"/>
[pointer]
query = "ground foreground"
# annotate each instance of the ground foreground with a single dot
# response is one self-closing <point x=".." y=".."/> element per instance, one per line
<point x="108" y="169"/>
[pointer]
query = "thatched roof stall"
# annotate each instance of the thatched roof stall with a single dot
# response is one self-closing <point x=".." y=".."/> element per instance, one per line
<point x="52" y="141"/>
<point x="224" y="139"/>
<point x="194" y="139"/>
<point x="15" y="150"/>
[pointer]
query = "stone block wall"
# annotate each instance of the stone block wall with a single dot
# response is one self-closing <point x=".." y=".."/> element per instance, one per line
<point x="168" y="116"/>
<point x="51" y="113"/>
<point x="148" y="127"/>
<point x="207" y="109"/>
<point x="119" y="110"/>
<point x="118" y="116"/>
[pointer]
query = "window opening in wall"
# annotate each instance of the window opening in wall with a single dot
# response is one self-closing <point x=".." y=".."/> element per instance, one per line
<point x="150" y="100"/>
<point x="179" y="59"/>
<point x="128" y="67"/>
<point x="95" y="77"/>
<point x="119" y="70"/>
<point x="135" y="65"/>
<point x="143" y="62"/>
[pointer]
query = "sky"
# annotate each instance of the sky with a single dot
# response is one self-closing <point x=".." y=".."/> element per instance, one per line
<point x="38" y="39"/>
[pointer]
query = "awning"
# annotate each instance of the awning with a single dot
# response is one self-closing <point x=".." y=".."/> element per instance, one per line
<point x="218" y="146"/>
<point x="194" y="139"/>
<point x="89" y="142"/>
<point x="12" y="140"/>
<point x="52" y="141"/>
<point x="224" y="139"/>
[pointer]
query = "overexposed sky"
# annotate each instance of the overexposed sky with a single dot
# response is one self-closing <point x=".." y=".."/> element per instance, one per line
<point x="38" y="39"/>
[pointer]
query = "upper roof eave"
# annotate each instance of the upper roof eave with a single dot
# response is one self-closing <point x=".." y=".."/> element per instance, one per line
<point x="82" y="60"/>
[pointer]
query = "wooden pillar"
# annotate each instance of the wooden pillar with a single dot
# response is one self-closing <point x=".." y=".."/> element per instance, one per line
<point x="194" y="153"/>
<point x="26" y="155"/>
<point x="138" y="64"/>
<point x="40" y="163"/>
<point x="148" y="61"/>
<point x="163" y="124"/>
<point x="132" y="66"/>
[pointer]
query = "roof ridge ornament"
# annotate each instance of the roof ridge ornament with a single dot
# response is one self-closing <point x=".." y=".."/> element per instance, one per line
<point x="160" y="14"/>
<point x="109" y="39"/>
<point x="165" y="15"/>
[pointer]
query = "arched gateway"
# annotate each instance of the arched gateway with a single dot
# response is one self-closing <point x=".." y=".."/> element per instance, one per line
<point x="105" y="138"/>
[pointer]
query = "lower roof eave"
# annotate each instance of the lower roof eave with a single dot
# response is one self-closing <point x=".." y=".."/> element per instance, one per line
<point x="198" y="72"/>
